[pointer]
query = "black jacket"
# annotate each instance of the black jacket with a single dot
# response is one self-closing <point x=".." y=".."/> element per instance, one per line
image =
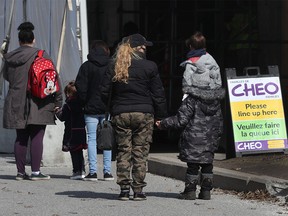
<point x="200" y="118"/>
<point x="74" y="133"/>
<point x="144" y="91"/>
<point x="88" y="80"/>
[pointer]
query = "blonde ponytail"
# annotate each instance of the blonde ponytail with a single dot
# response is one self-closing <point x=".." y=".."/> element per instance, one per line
<point x="122" y="62"/>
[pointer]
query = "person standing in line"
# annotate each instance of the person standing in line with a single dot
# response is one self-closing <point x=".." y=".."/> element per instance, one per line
<point x="137" y="97"/>
<point x="24" y="112"/>
<point x="74" y="139"/>
<point x="201" y="121"/>
<point x="200" y="65"/>
<point x="87" y="83"/>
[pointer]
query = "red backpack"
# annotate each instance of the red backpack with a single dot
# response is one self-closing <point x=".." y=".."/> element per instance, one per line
<point x="43" y="78"/>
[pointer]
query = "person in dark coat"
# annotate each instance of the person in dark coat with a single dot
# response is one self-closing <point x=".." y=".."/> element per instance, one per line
<point x="201" y="121"/>
<point x="74" y="138"/>
<point x="23" y="112"/>
<point x="137" y="98"/>
<point x="88" y="81"/>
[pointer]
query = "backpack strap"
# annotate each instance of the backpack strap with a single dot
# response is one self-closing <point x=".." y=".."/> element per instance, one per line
<point x="40" y="53"/>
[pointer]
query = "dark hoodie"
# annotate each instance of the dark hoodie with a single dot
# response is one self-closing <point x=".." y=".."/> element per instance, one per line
<point x="88" y="80"/>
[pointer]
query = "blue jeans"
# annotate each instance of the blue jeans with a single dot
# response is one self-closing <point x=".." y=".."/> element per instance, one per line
<point x="91" y="126"/>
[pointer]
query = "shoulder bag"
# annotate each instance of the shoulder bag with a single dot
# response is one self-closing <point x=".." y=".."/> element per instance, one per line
<point x="105" y="131"/>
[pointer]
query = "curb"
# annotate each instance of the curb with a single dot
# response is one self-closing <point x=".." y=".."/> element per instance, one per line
<point x="170" y="166"/>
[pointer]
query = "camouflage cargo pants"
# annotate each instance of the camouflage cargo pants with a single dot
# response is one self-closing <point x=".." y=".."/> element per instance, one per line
<point x="133" y="136"/>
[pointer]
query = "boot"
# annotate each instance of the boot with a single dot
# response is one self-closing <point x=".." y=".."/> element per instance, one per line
<point x="189" y="192"/>
<point x="206" y="186"/>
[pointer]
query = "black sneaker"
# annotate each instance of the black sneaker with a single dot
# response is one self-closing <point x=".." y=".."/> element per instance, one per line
<point x="77" y="176"/>
<point x="91" y="177"/>
<point x="40" y="176"/>
<point x="139" y="196"/>
<point x="108" y="177"/>
<point x="21" y="176"/>
<point x="124" y="195"/>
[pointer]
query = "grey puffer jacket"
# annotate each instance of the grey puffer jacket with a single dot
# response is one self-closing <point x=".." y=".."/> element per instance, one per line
<point x="20" y="109"/>
<point x="201" y="119"/>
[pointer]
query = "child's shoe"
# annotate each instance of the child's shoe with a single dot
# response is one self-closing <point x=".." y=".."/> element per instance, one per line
<point x="77" y="176"/>
<point x="189" y="192"/>
<point x="205" y="195"/>
<point x="188" y="195"/>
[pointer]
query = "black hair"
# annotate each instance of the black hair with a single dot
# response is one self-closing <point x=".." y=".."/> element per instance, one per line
<point x="196" y="41"/>
<point x="26" y="34"/>
<point x="100" y="43"/>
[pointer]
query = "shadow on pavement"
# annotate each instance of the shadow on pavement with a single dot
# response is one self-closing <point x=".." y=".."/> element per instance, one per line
<point x="88" y="195"/>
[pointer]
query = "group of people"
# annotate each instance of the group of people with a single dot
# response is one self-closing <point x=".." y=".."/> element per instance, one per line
<point x="137" y="103"/>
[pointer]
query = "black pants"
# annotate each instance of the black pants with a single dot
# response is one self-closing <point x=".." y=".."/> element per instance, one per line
<point x="77" y="161"/>
<point x="193" y="168"/>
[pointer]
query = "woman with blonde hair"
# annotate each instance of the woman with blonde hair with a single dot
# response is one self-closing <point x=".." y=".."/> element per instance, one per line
<point x="137" y="97"/>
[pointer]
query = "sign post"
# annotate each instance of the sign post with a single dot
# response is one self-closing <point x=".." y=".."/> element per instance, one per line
<point x="257" y="112"/>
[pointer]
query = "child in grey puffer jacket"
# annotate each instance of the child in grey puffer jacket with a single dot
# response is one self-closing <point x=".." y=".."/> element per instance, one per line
<point x="201" y="69"/>
<point x="200" y="119"/>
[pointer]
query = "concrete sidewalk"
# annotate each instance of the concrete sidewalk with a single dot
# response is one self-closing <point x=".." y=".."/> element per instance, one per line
<point x="167" y="164"/>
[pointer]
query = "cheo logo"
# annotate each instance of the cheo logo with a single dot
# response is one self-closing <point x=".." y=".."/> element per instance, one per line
<point x="249" y="145"/>
<point x="255" y="89"/>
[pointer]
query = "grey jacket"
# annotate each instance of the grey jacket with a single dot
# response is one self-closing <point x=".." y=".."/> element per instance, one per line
<point x="21" y="109"/>
<point x="203" y="73"/>
<point x="201" y="120"/>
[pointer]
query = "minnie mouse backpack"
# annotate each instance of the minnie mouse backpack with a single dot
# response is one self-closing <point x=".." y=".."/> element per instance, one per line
<point x="43" y="77"/>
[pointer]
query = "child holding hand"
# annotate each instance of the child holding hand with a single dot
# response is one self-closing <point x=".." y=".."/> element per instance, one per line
<point x="74" y="139"/>
<point x="200" y="119"/>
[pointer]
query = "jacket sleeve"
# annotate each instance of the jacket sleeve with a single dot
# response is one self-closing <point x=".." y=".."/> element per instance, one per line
<point x="106" y="84"/>
<point x="183" y="116"/>
<point x="81" y="83"/>
<point x="59" y="96"/>
<point x="158" y="95"/>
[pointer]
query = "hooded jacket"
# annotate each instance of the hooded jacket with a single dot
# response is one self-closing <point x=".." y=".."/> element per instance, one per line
<point x="200" y="118"/>
<point x="88" y="81"/>
<point x="22" y="109"/>
<point x="202" y="72"/>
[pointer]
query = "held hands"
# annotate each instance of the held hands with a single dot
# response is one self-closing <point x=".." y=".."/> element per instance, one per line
<point x="158" y="124"/>
<point x="56" y="109"/>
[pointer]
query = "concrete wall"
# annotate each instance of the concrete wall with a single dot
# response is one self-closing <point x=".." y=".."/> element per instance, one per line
<point x="52" y="153"/>
<point x="7" y="137"/>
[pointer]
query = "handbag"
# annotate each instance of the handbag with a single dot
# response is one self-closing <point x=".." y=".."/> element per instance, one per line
<point x="105" y="131"/>
<point x="105" y="135"/>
